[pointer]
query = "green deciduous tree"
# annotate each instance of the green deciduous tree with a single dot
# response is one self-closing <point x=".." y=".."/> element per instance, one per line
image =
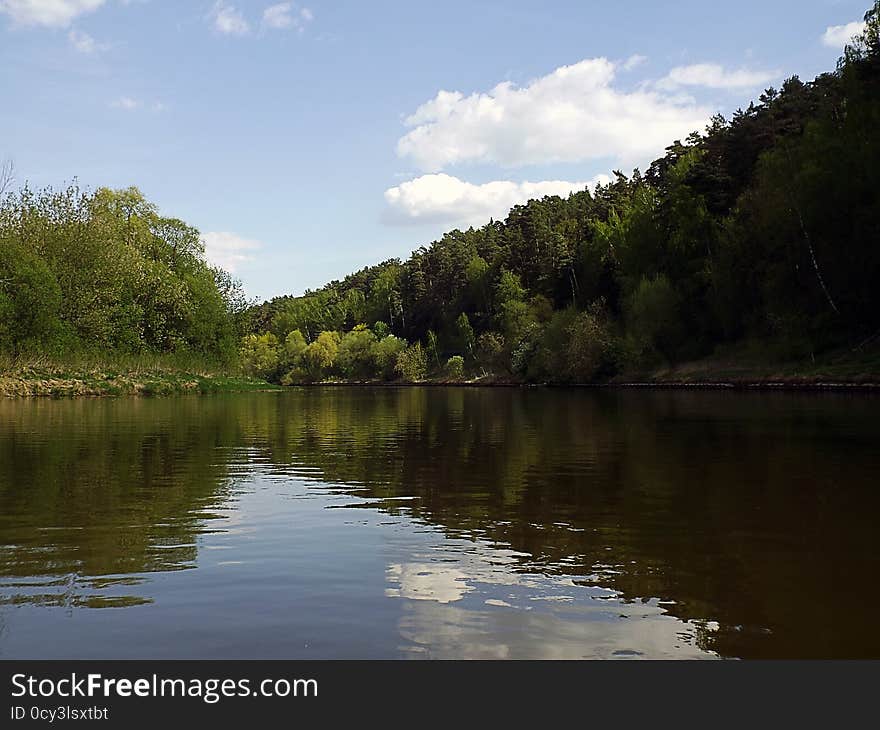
<point x="412" y="363"/>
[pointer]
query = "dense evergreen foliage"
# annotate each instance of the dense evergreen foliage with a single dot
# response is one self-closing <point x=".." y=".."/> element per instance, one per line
<point x="104" y="273"/>
<point x="765" y="227"/>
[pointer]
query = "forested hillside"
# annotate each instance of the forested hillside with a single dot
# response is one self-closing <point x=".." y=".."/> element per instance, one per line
<point x="763" y="228"/>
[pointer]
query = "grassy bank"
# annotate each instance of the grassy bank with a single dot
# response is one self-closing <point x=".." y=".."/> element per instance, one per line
<point x="752" y="367"/>
<point x="117" y="376"/>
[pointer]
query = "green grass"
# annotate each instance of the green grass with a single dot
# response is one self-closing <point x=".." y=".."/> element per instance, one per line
<point x="749" y="363"/>
<point x="117" y="375"/>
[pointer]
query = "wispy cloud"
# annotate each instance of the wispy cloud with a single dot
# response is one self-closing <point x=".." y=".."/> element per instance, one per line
<point x="228" y="250"/>
<point x="126" y="103"/>
<point x="84" y="43"/>
<point x="52" y="13"/>
<point x="715" y="76"/>
<point x="130" y="104"/>
<point x="633" y="61"/>
<point x="228" y="20"/>
<point x="286" y="16"/>
<point x="837" y="36"/>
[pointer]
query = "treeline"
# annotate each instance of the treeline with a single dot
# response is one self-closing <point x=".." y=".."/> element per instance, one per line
<point x="360" y="354"/>
<point x="763" y="228"/>
<point x="103" y="273"/>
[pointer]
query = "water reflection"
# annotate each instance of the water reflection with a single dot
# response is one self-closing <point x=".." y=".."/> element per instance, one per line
<point x="440" y="523"/>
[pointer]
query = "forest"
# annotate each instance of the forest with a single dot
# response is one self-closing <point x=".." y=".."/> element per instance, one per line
<point x="763" y="229"/>
<point x="761" y="232"/>
<point x="102" y="274"/>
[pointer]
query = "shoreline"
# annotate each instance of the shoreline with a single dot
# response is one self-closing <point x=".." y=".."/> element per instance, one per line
<point x="756" y="385"/>
<point x="132" y="384"/>
<point x="151" y="383"/>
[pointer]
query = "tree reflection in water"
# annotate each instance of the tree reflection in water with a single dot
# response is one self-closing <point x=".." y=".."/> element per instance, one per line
<point x="739" y="524"/>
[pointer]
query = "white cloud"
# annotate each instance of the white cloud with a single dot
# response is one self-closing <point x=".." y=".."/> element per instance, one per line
<point x="442" y="198"/>
<point x="84" y="43"/>
<point x="130" y="104"/>
<point x="278" y="16"/>
<point x="571" y="115"/>
<point x="228" y="20"/>
<point x="228" y="250"/>
<point x="284" y="16"/>
<point x="633" y="62"/>
<point x="126" y="103"/>
<point x="714" y="76"/>
<point x="56" y="13"/>
<point x="837" y="36"/>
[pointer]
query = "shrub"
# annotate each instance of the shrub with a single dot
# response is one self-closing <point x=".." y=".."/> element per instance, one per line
<point x="524" y="360"/>
<point x="412" y="363"/>
<point x="320" y="356"/>
<point x="259" y="355"/>
<point x="385" y="354"/>
<point x="591" y="347"/>
<point x="490" y="350"/>
<point x="455" y="367"/>
<point x="355" y="357"/>
<point x="30" y="299"/>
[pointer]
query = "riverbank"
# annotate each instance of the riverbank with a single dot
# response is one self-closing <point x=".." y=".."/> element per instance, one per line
<point x="739" y="369"/>
<point x="61" y="383"/>
<point x="37" y="385"/>
<point x="734" y="370"/>
<point x="744" y="369"/>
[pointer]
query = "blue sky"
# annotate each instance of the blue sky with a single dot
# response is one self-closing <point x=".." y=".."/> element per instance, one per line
<point x="307" y="140"/>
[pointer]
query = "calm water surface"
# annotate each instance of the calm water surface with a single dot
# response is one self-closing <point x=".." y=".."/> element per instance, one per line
<point x="441" y="523"/>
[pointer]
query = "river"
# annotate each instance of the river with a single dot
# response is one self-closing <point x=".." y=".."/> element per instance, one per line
<point x="441" y="523"/>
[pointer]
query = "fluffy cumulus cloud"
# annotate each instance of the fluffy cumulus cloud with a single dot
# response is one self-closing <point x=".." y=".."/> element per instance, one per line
<point x="442" y="198"/>
<point x="228" y="250"/>
<point x="53" y="13"/>
<point x="837" y="36"/>
<point x="227" y="19"/>
<point x="573" y="114"/>
<point x="286" y="16"/>
<point x="714" y="76"/>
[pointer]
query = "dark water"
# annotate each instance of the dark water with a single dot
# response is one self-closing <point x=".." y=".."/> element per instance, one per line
<point x="447" y="523"/>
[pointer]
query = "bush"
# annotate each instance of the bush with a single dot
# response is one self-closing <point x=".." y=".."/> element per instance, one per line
<point x="455" y="367"/>
<point x="294" y="347"/>
<point x="591" y="350"/>
<point x="525" y="358"/>
<point x="490" y="350"/>
<point x="321" y="355"/>
<point x="385" y="354"/>
<point x="259" y="355"/>
<point x="30" y="300"/>
<point x="355" y="358"/>
<point x="412" y="363"/>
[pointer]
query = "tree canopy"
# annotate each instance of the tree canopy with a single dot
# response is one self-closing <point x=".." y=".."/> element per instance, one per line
<point x="105" y="272"/>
